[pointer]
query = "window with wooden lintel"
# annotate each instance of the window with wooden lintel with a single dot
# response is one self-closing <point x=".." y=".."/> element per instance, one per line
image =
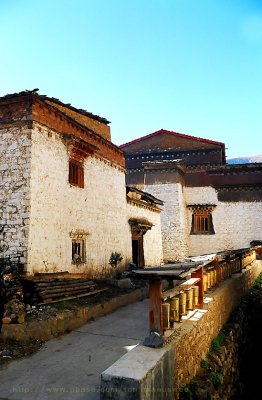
<point x="78" y="150"/>
<point x="78" y="251"/>
<point x="202" y="221"/>
<point x="76" y="173"/>
<point x="78" y="246"/>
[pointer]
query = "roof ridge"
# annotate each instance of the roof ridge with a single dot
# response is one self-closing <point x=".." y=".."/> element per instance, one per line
<point x="170" y="133"/>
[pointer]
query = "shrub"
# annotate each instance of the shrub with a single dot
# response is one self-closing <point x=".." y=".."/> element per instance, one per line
<point x="216" y="343"/>
<point x="114" y="259"/>
<point x="203" y="363"/>
<point x="217" y="379"/>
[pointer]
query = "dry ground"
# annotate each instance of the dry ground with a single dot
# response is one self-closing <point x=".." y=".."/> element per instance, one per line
<point x="12" y="350"/>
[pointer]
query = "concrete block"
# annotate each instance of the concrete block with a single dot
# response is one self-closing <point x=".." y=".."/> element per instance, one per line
<point x="149" y="378"/>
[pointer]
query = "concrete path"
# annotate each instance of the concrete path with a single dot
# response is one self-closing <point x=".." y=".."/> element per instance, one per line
<point x="69" y="367"/>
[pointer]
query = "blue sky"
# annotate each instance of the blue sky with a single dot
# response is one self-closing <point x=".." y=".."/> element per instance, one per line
<point x="191" y="66"/>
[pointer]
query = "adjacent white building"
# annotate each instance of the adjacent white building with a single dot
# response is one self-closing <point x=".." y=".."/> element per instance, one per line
<point x="64" y="203"/>
<point x="209" y="205"/>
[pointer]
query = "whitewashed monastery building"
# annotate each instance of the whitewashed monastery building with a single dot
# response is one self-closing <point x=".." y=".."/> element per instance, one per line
<point x="64" y="202"/>
<point x="209" y="205"/>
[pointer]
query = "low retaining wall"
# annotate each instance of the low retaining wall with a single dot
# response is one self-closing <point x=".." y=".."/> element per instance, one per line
<point x="70" y="320"/>
<point x="156" y="374"/>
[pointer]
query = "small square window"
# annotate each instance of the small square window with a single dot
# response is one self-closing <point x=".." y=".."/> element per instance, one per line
<point x="202" y="223"/>
<point x="76" y="173"/>
<point x="78" y="251"/>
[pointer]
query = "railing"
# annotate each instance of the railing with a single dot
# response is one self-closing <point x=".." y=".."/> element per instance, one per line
<point x="178" y="301"/>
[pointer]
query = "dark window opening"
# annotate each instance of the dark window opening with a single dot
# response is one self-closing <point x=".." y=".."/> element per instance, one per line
<point x="135" y="252"/>
<point x="76" y="173"/>
<point x="78" y="251"/>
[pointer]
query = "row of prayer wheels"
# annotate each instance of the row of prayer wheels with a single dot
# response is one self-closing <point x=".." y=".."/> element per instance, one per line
<point x="210" y="279"/>
<point x="174" y="308"/>
<point x="248" y="258"/>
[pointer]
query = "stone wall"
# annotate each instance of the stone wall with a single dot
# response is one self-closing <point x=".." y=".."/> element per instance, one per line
<point x="236" y="224"/>
<point x="173" y="219"/>
<point x="145" y="380"/>
<point x="193" y="341"/>
<point x="15" y="190"/>
<point x="229" y="370"/>
<point x="59" y="209"/>
<point x="153" y="253"/>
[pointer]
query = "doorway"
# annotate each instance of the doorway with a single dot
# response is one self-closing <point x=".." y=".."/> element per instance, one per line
<point x="138" y="250"/>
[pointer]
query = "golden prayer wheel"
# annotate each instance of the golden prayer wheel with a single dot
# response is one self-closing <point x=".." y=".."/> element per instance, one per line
<point x="208" y="279"/>
<point x="182" y="303"/>
<point x="165" y="314"/>
<point x="205" y="282"/>
<point x="174" y="309"/>
<point x="189" y="299"/>
<point x="215" y="277"/>
<point x="218" y="275"/>
<point x="212" y="280"/>
<point x="195" y="295"/>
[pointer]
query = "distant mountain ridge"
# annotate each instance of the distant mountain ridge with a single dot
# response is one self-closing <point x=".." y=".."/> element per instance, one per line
<point x="245" y="159"/>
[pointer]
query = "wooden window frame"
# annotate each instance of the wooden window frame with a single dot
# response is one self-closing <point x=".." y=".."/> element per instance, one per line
<point x="76" y="173"/>
<point x="78" y="251"/>
<point x="202" y="223"/>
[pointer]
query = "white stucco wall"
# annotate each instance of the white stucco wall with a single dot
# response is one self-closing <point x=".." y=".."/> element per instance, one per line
<point x="236" y="224"/>
<point x="14" y="184"/>
<point x="173" y="219"/>
<point x="57" y="208"/>
<point x="152" y="239"/>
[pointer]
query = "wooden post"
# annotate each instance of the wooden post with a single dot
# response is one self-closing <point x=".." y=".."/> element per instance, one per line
<point x="199" y="274"/>
<point x="155" y="306"/>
